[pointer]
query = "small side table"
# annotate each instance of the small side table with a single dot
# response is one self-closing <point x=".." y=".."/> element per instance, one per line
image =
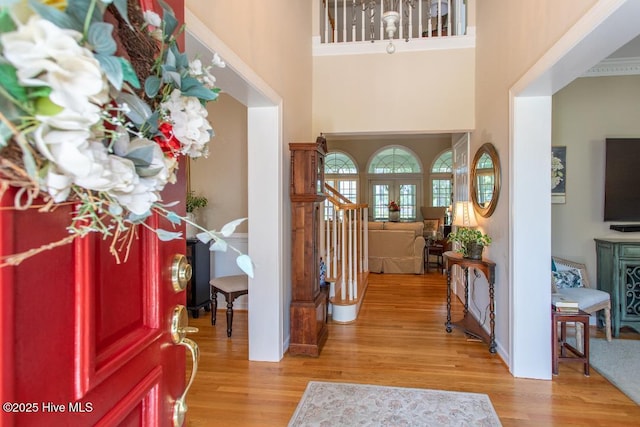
<point x="469" y="324"/>
<point x="435" y="250"/>
<point x="561" y="351"/>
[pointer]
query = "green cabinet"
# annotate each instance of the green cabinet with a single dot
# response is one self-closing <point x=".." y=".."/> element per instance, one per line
<point x="619" y="274"/>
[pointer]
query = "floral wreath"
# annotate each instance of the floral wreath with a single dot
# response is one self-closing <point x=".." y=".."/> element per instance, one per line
<point x="81" y="123"/>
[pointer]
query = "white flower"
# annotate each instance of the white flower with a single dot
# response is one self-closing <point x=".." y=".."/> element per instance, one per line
<point x="65" y="148"/>
<point x="202" y="74"/>
<point x="217" y="61"/>
<point x="190" y="125"/>
<point x="45" y="55"/>
<point x="151" y="18"/>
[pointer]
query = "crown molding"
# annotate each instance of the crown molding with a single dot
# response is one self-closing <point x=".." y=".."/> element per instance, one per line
<point x="615" y="67"/>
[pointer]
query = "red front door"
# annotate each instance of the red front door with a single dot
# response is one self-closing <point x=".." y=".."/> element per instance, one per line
<point x="86" y="341"/>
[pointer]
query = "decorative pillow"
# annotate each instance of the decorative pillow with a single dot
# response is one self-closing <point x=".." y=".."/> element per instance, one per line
<point x="567" y="278"/>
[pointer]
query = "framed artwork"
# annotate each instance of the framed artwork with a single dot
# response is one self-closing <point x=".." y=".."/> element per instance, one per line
<point x="558" y="174"/>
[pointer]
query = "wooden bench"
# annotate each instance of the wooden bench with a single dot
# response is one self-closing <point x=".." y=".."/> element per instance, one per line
<point x="231" y="287"/>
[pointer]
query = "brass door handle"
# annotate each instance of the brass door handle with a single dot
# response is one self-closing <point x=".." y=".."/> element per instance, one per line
<point x="179" y="330"/>
<point x="180" y="272"/>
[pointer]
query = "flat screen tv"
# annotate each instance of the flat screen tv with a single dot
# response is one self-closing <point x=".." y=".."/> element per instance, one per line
<point x="622" y="180"/>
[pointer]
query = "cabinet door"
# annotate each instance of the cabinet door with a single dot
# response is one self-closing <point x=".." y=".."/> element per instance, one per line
<point x="630" y="290"/>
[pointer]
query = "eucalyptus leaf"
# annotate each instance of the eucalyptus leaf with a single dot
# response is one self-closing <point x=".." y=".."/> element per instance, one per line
<point x="152" y="86"/>
<point x="145" y="172"/>
<point x="174" y="217"/>
<point x="230" y="227"/>
<point x="100" y="37"/>
<point x="141" y="155"/>
<point x="112" y="68"/>
<point x="139" y="112"/>
<point x="245" y="264"/>
<point x="121" y="7"/>
<point x="166" y="236"/>
<point x="219" y="246"/>
<point x="79" y="9"/>
<point x="173" y="77"/>
<point x="201" y="93"/>
<point x="138" y="218"/>
<point x="128" y="73"/>
<point x="55" y="16"/>
<point x="169" y="19"/>
<point x="170" y="59"/>
<point x="170" y="204"/>
<point x="115" y="209"/>
<point x="205" y="237"/>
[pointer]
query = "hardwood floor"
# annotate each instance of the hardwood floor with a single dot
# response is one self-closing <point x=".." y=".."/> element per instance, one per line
<point x="398" y="340"/>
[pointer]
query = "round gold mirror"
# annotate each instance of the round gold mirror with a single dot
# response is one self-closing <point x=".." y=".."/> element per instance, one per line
<point x="485" y="180"/>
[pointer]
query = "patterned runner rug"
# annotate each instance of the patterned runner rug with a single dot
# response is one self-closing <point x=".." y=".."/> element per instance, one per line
<point x="344" y="404"/>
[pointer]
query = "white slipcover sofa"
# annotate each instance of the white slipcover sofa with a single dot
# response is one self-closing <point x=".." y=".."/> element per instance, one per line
<point x="396" y="247"/>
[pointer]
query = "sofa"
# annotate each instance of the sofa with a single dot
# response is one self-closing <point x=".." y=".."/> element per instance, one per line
<point x="396" y="247"/>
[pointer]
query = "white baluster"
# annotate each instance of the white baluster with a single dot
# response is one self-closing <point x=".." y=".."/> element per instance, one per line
<point x="366" y="239"/>
<point x="335" y="241"/>
<point x="335" y="26"/>
<point x="343" y="265"/>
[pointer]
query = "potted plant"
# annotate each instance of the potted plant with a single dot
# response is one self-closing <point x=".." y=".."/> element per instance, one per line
<point x="193" y="203"/>
<point x="472" y="242"/>
<point x="394" y="211"/>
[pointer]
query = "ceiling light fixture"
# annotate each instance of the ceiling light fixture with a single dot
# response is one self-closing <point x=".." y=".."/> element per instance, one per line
<point x="391" y="18"/>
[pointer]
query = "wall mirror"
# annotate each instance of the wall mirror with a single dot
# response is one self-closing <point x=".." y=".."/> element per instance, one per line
<point x="485" y="180"/>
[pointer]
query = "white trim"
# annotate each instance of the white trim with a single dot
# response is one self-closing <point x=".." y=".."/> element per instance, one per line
<point x="615" y="67"/>
<point x="267" y="299"/>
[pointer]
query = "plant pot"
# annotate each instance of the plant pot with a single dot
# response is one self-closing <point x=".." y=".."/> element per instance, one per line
<point x="474" y="250"/>
<point x="394" y="216"/>
<point x="190" y="230"/>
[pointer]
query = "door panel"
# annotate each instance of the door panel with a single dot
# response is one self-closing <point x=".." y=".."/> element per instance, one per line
<point x="85" y="340"/>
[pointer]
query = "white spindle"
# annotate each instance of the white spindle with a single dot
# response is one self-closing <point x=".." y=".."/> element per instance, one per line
<point x="354" y="292"/>
<point x="335" y="26"/>
<point x="343" y="247"/>
<point x="449" y="32"/>
<point x="335" y="241"/>
<point x="366" y="239"/>
<point x="362" y="26"/>
<point x="419" y="19"/>
<point x="344" y="21"/>
<point x="327" y="252"/>
<point x="327" y="24"/>
<point x="381" y="23"/>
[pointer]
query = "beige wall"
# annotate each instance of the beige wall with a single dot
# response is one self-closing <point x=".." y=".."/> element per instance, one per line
<point x="585" y="113"/>
<point x="403" y="92"/>
<point x="511" y="37"/>
<point x="222" y="177"/>
<point x="426" y="147"/>
<point x="279" y="54"/>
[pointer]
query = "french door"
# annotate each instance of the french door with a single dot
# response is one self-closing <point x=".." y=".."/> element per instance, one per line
<point x="406" y="192"/>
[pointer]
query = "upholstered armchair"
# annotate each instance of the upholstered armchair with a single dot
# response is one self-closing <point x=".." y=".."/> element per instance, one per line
<point x="571" y="280"/>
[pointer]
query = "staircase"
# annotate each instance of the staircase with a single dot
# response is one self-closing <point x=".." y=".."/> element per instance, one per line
<point x="344" y="249"/>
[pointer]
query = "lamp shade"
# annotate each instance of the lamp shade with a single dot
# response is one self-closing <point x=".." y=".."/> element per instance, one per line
<point x="465" y="215"/>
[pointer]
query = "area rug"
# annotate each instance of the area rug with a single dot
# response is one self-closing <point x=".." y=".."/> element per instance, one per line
<point x="344" y="404"/>
<point x="618" y="361"/>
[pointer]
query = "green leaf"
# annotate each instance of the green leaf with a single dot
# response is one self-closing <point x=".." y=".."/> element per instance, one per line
<point x="170" y="60"/>
<point x="39" y="92"/>
<point x="112" y="68"/>
<point x="245" y="264"/>
<point x="55" y="16"/>
<point x="115" y="209"/>
<point x="121" y="7"/>
<point x="139" y="112"/>
<point x="145" y="172"/>
<point x="6" y="22"/>
<point x="78" y="10"/>
<point x="9" y="80"/>
<point x="152" y="86"/>
<point x="141" y="155"/>
<point x="201" y="92"/>
<point x="100" y="37"/>
<point x="173" y="77"/>
<point x="129" y="74"/>
<point x="166" y="236"/>
<point x="169" y="19"/>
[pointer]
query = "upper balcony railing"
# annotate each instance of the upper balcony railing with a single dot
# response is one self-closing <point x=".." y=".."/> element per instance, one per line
<point x="345" y="21"/>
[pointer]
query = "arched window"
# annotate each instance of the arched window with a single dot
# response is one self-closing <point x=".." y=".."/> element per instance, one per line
<point x="340" y="172"/>
<point x="395" y="174"/>
<point x="441" y="182"/>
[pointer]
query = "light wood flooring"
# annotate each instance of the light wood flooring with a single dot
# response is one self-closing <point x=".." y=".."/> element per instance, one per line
<point x="399" y="339"/>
